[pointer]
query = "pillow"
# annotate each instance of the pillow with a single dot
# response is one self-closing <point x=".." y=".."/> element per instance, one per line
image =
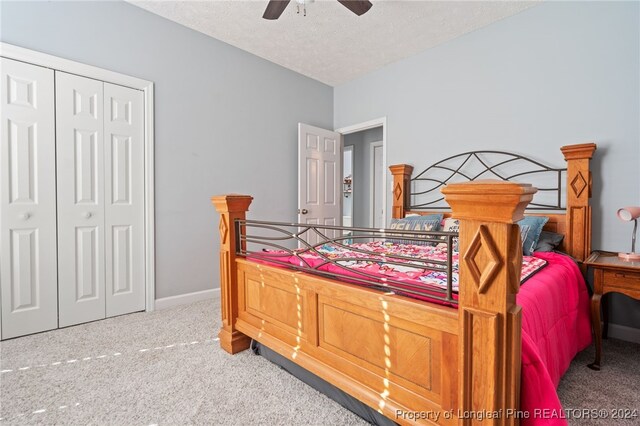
<point x="417" y="217"/>
<point x="535" y="224"/>
<point x="549" y="241"/>
<point x="524" y="231"/>
<point x="451" y="225"/>
<point x="416" y="223"/>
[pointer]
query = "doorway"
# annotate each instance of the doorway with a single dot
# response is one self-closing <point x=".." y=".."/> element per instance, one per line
<point x="364" y="180"/>
<point x="347" y="186"/>
<point x="329" y="196"/>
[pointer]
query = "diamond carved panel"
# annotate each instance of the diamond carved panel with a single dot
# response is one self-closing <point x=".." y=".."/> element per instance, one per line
<point x="578" y="184"/>
<point x="483" y="259"/>
<point x="397" y="192"/>
<point x="224" y="230"/>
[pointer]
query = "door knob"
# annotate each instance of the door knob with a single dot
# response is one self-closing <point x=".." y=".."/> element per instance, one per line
<point x="25" y="216"/>
<point x="304" y="211"/>
<point x="87" y="215"/>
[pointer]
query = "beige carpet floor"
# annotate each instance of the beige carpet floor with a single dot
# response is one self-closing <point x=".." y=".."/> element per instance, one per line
<point x="166" y="368"/>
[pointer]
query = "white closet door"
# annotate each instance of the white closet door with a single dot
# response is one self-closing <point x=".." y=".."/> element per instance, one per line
<point x="124" y="199"/>
<point x="28" y="269"/>
<point x="81" y="223"/>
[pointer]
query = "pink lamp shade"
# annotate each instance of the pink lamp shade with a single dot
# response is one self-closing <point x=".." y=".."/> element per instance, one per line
<point x="629" y="214"/>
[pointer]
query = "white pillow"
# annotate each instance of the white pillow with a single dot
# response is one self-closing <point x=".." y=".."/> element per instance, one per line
<point x="451" y="225"/>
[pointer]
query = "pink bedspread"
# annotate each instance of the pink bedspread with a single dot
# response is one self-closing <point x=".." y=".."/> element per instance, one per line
<point x="555" y="327"/>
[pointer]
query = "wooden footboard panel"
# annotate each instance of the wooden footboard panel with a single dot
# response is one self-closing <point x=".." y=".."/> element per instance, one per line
<point x="384" y="349"/>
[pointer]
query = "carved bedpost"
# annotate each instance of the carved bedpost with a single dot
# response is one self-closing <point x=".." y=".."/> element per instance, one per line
<point x="489" y="326"/>
<point x="401" y="190"/>
<point x="578" y="239"/>
<point x="230" y="207"/>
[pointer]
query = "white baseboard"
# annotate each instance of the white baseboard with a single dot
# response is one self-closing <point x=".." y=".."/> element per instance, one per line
<point x="622" y="332"/>
<point x="182" y="299"/>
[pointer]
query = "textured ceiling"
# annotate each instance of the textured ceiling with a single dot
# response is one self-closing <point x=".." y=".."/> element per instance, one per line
<point x="331" y="44"/>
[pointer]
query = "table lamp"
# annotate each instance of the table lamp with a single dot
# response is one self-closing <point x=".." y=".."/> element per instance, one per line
<point x="628" y="214"/>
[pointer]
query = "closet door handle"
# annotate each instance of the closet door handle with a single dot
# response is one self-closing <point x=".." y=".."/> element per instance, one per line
<point x="25" y="216"/>
<point x="87" y="215"/>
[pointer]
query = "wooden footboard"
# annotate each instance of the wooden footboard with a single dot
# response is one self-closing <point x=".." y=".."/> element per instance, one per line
<point x="385" y="350"/>
<point x="414" y="361"/>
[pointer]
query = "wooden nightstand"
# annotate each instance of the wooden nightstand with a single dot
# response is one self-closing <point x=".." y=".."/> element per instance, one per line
<point x="610" y="274"/>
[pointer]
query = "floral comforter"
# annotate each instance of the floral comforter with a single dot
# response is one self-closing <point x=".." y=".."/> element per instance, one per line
<point x="410" y="271"/>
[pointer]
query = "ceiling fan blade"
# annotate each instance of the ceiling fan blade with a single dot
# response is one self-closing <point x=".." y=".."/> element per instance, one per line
<point x="359" y="7"/>
<point x="275" y="8"/>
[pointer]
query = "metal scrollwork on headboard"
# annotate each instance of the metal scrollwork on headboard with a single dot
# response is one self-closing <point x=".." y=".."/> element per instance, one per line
<point x="470" y="166"/>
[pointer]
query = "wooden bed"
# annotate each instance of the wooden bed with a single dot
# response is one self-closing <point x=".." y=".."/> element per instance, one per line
<point x="397" y="354"/>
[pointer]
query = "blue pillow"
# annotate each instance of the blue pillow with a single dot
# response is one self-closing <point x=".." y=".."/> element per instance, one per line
<point x="524" y="231"/>
<point x="535" y="224"/>
<point x="416" y="223"/>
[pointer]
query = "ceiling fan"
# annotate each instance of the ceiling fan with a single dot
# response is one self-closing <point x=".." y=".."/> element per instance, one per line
<point x="276" y="7"/>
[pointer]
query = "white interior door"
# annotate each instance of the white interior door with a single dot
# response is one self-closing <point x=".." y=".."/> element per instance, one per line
<point x="81" y="219"/>
<point x="28" y="268"/>
<point x="124" y="199"/>
<point x="377" y="185"/>
<point x="319" y="178"/>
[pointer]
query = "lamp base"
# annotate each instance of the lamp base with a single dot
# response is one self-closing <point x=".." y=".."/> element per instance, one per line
<point x="629" y="257"/>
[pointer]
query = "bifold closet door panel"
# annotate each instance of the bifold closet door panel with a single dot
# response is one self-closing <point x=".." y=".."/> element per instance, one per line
<point x="81" y="223"/>
<point x="124" y="199"/>
<point x="28" y="269"/>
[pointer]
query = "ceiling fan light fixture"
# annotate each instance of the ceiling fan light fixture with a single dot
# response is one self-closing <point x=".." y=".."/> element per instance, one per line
<point x="303" y="4"/>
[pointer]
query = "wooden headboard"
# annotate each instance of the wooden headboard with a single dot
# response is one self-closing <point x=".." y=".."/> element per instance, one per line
<point x="571" y="218"/>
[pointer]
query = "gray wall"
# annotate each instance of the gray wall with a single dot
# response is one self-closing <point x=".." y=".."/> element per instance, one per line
<point x="361" y="142"/>
<point x="226" y="120"/>
<point x="555" y="74"/>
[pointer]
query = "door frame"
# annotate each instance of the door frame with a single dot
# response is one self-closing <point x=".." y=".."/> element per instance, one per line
<point x="56" y="63"/>
<point x="372" y="150"/>
<point x="366" y="125"/>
